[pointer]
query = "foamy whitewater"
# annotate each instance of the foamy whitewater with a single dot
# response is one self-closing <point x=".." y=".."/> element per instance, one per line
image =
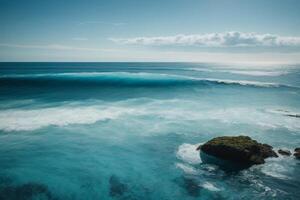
<point x="130" y="130"/>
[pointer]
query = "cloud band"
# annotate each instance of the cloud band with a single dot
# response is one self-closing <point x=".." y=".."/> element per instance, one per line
<point x="227" y="39"/>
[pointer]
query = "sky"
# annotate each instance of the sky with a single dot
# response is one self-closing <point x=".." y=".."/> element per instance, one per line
<point x="251" y="31"/>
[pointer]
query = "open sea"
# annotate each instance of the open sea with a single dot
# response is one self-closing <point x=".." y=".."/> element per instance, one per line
<point x="85" y="131"/>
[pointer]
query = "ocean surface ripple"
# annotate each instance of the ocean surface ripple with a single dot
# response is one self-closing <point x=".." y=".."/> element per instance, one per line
<point x="130" y="130"/>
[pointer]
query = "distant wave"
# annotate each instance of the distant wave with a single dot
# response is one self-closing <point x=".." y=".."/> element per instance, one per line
<point x="259" y="73"/>
<point x="246" y="83"/>
<point x="134" y="79"/>
<point x="243" y="72"/>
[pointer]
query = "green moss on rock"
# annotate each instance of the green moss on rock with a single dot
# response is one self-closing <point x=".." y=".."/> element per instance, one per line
<point x="238" y="142"/>
<point x="240" y="149"/>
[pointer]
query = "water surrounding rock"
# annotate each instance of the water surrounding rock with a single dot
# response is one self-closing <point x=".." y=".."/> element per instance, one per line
<point x="238" y="149"/>
<point x="192" y="187"/>
<point x="284" y="152"/>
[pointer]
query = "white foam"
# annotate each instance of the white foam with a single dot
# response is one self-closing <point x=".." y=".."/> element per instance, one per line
<point x="141" y="75"/>
<point x="259" y="73"/>
<point x="211" y="168"/>
<point x="171" y="111"/>
<point x="247" y="83"/>
<point x="284" y="112"/>
<point x="275" y="171"/>
<point x="188" y="153"/>
<point x="253" y="116"/>
<point x="278" y="167"/>
<point x="18" y="120"/>
<point x="187" y="168"/>
<point x="210" y="186"/>
<point x="231" y="115"/>
<point x="243" y="72"/>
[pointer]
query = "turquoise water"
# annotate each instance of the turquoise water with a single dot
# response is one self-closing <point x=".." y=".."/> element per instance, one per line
<point x="130" y="130"/>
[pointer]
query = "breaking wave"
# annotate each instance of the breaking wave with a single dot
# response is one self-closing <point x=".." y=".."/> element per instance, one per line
<point x="188" y="153"/>
<point x="27" y="120"/>
<point x="129" y="79"/>
<point x="171" y="111"/>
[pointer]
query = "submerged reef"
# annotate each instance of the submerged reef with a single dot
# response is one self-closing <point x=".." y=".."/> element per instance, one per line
<point x="117" y="188"/>
<point x="26" y="191"/>
<point x="236" y="149"/>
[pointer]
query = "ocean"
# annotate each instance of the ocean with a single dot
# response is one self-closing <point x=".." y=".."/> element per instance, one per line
<point x="130" y="130"/>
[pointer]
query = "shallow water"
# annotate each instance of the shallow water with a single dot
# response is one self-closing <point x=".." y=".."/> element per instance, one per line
<point x="130" y="130"/>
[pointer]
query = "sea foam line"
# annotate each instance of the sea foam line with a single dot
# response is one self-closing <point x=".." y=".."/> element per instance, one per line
<point x="242" y="72"/>
<point x="27" y="120"/>
<point x="171" y="111"/>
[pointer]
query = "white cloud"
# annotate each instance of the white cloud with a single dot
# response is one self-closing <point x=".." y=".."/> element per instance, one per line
<point x="227" y="39"/>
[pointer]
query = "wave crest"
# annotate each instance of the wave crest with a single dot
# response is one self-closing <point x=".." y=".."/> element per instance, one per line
<point x="134" y="79"/>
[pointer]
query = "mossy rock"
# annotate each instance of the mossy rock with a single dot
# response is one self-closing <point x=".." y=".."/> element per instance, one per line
<point x="238" y="149"/>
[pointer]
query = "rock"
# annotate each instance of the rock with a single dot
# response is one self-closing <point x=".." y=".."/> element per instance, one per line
<point x="284" y="152"/>
<point x="238" y="149"/>
<point x="288" y="113"/>
<point x="297" y="153"/>
<point x="294" y="115"/>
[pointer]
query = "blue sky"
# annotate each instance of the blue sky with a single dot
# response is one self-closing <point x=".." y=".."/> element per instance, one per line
<point x="140" y="30"/>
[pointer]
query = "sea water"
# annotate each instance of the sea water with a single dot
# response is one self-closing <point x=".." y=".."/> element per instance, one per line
<point x="130" y="130"/>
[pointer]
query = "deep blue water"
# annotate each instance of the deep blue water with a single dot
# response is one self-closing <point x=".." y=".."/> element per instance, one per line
<point x="130" y="130"/>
